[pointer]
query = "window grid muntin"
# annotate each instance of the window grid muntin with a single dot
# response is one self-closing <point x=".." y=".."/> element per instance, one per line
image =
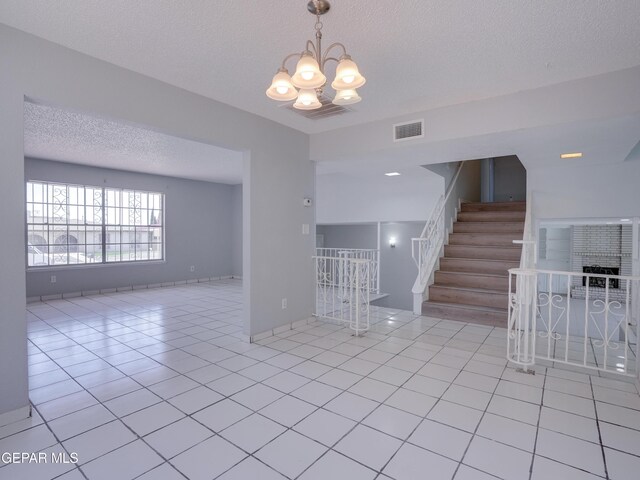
<point x="65" y="220"/>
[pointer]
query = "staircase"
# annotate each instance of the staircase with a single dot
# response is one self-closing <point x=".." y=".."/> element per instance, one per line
<point x="473" y="281"/>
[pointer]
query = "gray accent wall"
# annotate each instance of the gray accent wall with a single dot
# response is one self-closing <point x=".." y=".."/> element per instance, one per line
<point x="236" y="230"/>
<point x="349" y="236"/>
<point x="277" y="175"/>
<point x="509" y="179"/>
<point x="397" y="270"/>
<point x="199" y="231"/>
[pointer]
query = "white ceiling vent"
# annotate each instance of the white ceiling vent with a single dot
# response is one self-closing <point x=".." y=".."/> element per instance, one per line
<point x="408" y="130"/>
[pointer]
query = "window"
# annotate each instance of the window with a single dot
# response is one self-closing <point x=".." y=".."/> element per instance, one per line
<point x="75" y="224"/>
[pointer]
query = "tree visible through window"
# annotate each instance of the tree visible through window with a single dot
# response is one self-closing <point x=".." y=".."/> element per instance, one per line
<point x="74" y="224"/>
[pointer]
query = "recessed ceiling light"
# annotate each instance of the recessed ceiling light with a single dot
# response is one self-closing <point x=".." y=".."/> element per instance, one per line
<point x="392" y="174"/>
<point x="625" y="219"/>
<point x="571" y="155"/>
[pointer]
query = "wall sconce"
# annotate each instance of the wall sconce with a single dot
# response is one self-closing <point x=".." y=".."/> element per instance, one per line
<point x="392" y="242"/>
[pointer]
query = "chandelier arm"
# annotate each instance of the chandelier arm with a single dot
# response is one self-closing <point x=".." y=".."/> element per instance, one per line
<point x="286" y="59"/>
<point x="326" y="59"/>
<point x="331" y="47"/>
<point x="312" y="49"/>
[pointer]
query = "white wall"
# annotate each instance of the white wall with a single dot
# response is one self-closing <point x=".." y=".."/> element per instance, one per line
<point x="373" y="197"/>
<point x="572" y="190"/>
<point x="277" y="175"/>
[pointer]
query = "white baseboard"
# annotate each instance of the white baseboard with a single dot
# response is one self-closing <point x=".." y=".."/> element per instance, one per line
<point x="282" y="328"/>
<point x="128" y="288"/>
<point x="15" y="415"/>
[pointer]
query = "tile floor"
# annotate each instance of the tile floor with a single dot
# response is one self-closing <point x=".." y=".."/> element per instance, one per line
<point x="161" y="384"/>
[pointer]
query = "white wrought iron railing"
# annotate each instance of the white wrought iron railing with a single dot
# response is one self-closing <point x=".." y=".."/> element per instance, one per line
<point x="343" y="289"/>
<point x="373" y="255"/>
<point x="579" y="319"/>
<point x="427" y="249"/>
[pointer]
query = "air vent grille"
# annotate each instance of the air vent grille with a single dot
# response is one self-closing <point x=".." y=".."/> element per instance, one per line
<point x="408" y="131"/>
<point x="327" y="109"/>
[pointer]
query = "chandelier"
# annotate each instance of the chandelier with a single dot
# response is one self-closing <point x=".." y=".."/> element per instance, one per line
<point x="309" y="79"/>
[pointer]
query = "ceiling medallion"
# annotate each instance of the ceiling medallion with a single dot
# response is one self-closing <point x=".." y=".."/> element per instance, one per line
<point x="309" y="79"/>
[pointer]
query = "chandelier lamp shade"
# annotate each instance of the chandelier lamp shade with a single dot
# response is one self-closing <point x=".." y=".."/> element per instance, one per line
<point x="309" y="79"/>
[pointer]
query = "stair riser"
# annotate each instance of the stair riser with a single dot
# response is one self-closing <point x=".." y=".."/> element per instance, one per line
<point x="491" y="216"/>
<point x="495" y="207"/>
<point x="462" y="297"/>
<point x="497" y="253"/>
<point x="485" y="239"/>
<point x="517" y="228"/>
<point x="476" y="266"/>
<point x="472" y="281"/>
<point x="495" y="319"/>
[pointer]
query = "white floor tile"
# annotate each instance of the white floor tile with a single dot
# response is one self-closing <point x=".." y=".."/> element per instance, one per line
<point x="253" y="432"/>
<point x="290" y="453"/>
<point x="516" y="409"/>
<point x="208" y="459"/>
<point x="339" y="378"/>
<point x="545" y="469"/>
<point x="194" y="400"/>
<point x="392" y="421"/>
<point x="411" y="463"/>
<point x="569" y="424"/>
<point x="368" y="446"/>
<point x="100" y="440"/>
<point x="316" y="393"/>
<point x="621" y="466"/>
<point x="427" y="385"/>
<point x="455" y="415"/>
<point x="286" y="382"/>
<point x="569" y="403"/>
<point x="468" y="397"/>
<point x="124" y="463"/>
<point x="501" y="429"/>
<point x="80" y="421"/>
<point x="257" y="396"/>
<point x="132" y="402"/>
<point x="571" y="451"/>
<point x="222" y="414"/>
<point x="351" y="406"/>
<point x="173" y="439"/>
<point x="498" y="459"/>
<point x="373" y="389"/>
<point x="442" y="439"/>
<point x="230" y="384"/>
<point x="152" y="418"/>
<point x="335" y="466"/>
<point x="288" y="410"/>
<point x="412" y="402"/>
<point x="250" y="468"/>
<point x="325" y="427"/>
<point x="620" y="438"/>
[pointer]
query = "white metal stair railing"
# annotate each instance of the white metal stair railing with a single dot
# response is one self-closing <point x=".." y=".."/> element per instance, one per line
<point x="427" y="248"/>
<point x="520" y="343"/>
<point x="373" y="255"/>
<point x="574" y="318"/>
<point x="343" y="289"/>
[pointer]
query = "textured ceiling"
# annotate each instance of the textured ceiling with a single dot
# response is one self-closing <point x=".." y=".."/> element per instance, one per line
<point x="56" y="134"/>
<point x="416" y="54"/>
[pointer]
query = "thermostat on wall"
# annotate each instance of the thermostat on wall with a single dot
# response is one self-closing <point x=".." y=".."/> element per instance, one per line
<point x="307" y="202"/>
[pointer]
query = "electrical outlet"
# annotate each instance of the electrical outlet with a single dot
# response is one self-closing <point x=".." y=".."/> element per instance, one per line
<point x="53" y="279"/>
<point x="305" y="229"/>
<point x="192" y="268"/>
<point x="284" y="303"/>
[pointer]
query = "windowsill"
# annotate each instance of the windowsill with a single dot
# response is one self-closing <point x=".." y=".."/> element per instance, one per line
<point x="84" y="266"/>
